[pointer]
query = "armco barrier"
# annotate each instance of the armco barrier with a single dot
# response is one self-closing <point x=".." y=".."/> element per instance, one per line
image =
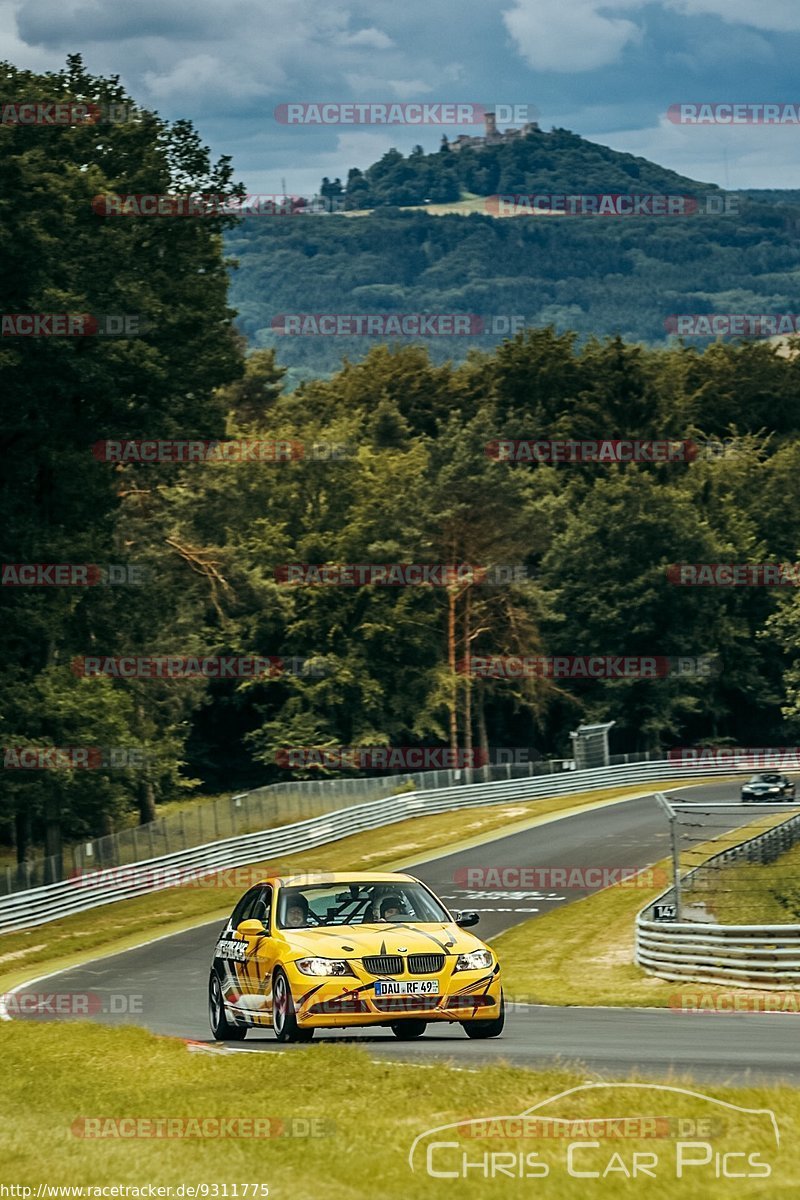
<point x="40" y="905"/>
<point x="763" y="956"/>
<point x="267" y="807"/>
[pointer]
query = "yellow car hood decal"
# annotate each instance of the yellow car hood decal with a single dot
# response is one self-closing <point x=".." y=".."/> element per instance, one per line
<point x="391" y="937"/>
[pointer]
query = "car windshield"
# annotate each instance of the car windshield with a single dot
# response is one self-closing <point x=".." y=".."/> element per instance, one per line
<point x="358" y="904"/>
<point x="766" y="779"/>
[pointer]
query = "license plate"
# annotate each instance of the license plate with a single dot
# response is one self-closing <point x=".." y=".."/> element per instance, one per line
<point x="407" y="987"/>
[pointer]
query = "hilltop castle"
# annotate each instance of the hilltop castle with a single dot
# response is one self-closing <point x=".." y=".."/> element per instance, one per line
<point x="492" y="136"/>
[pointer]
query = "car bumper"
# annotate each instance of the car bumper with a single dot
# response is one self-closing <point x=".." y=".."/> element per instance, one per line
<point x="465" y="996"/>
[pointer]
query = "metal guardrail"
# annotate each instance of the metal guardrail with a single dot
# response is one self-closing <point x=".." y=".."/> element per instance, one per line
<point x="40" y="905"/>
<point x="701" y="952"/>
<point x="263" y="808"/>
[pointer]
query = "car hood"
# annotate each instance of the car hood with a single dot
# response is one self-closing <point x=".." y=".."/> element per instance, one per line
<point x="355" y="941"/>
<point x="760" y="787"/>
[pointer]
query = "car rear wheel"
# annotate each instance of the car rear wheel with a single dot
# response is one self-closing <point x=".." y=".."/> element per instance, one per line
<point x="406" y="1030"/>
<point x="487" y="1029"/>
<point x="221" y="1027"/>
<point x="284" y="1016"/>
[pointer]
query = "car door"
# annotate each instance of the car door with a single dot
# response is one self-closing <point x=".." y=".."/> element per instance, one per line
<point x="235" y="953"/>
<point x="260" y="955"/>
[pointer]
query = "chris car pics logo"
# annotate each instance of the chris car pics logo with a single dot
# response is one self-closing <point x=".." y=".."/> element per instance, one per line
<point x="606" y="1131"/>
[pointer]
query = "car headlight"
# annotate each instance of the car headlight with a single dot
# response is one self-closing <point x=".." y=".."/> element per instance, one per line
<point x="775" y="789"/>
<point x="323" y="966"/>
<point x="474" y="961"/>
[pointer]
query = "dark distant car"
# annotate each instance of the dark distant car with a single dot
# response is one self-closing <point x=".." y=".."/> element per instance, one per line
<point x="766" y="787"/>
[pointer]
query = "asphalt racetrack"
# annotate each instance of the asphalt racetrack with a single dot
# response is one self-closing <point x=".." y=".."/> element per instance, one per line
<point x="170" y="974"/>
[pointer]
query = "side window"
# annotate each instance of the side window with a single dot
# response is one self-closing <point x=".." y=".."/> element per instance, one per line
<point x="239" y="914"/>
<point x="260" y="906"/>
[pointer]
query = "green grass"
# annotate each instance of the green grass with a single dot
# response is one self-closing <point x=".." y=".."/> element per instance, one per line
<point x="57" y="1075"/>
<point x="754" y="893"/>
<point x="127" y="922"/>
<point x="468" y="204"/>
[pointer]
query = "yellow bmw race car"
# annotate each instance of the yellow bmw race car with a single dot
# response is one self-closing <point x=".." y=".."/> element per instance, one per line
<point x="312" y="952"/>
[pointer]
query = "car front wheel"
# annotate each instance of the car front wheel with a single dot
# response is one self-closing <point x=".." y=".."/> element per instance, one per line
<point x="221" y="1027"/>
<point x="284" y="1016"/>
<point x="487" y="1029"/>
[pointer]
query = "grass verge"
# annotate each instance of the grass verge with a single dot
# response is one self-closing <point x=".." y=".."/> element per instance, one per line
<point x="754" y="893"/>
<point x="368" y="1112"/>
<point x="126" y="923"/>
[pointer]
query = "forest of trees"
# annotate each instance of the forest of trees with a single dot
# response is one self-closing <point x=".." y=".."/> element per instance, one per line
<point x="597" y="275"/>
<point x="413" y="483"/>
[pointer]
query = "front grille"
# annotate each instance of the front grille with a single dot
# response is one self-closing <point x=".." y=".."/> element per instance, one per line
<point x="425" y="964"/>
<point x="393" y="1004"/>
<point x="383" y="964"/>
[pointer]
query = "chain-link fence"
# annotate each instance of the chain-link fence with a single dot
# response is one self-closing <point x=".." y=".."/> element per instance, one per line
<point x="730" y="881"/>
<point x="265" y="808"/>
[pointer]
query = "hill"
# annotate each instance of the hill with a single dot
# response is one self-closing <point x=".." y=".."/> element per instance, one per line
<point x="597" y="275"/>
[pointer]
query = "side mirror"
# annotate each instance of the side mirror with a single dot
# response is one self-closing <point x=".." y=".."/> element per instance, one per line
<point x="252" y="929"/>
<point x="465" y="919"/>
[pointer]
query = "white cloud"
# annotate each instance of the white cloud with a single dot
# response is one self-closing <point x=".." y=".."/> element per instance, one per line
<point x="577" y="37"/>
<point x="190" y="79"/>
<point x="374" y="87"/>
<point x="375" y="39"/>
<point x="733" y="157"/>
<point x="778" y="16"/>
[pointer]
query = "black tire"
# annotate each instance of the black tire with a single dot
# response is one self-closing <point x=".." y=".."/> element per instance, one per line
<point x="406" y="1030"/>
<point x="487" y="1029"/>
<point x="221" y="1027"/>
<point x="284" y="1017"/>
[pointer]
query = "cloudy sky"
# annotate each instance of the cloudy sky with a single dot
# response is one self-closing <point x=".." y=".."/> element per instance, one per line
<point x="608" y="71"/>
